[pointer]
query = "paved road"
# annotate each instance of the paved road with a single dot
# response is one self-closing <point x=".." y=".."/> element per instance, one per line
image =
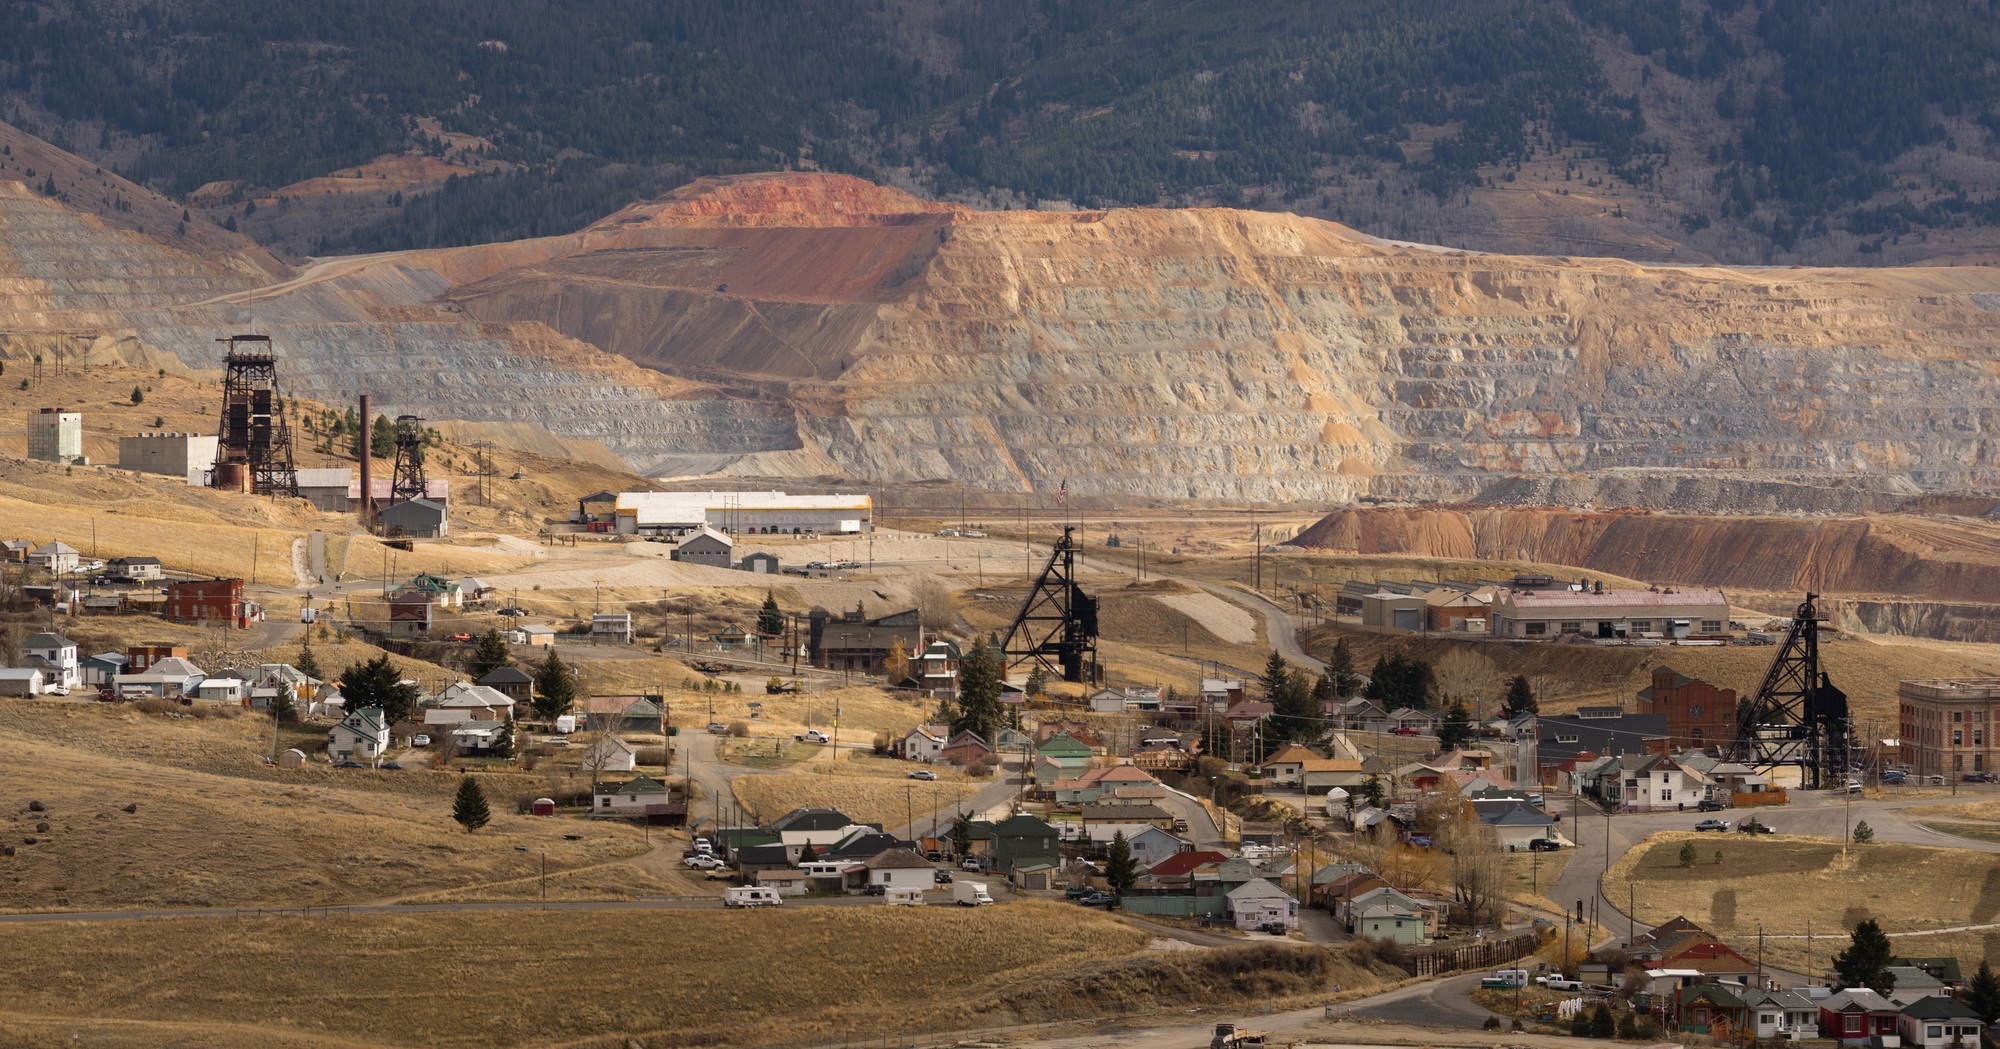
<point x="667" y="903"/>
<point x="1447" y="1002"/>
<point x="1279" y="629"/>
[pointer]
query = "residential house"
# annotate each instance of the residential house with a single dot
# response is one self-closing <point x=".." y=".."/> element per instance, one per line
<point x="1257" y="904"/>
<point x="609" y="754"/>
<point x="1939" y="1022"/>
<point x="361" y="736"/>
<point x="480" y="736"/>
<point x="23" y="681"/>
<point x="901" y="869"/>
<point x="462" y="702"/>
<point x="226" y="688"/>
<point x="851" y="641"/>
<point x="923" y="743"/>
<point x="638" y="796"/>
<point x="1857" y="1016"/>
<point x="440" y="591"/>
<point x="752" y="861"/>
<point x="1184" y="885"/>
<point x="783" y="882"/>
<point x="1334" y="885"/>
<point x="513" y="682"/>
<point x="966" y="748"/>
<point x="1099" y="783"/>
<point x="1149" y="846"/>
<point x="860" y="844"/>
<point x="1102" y="819"/>
<point x="1711" y="1009"/>
<point x="1076" y="730"/>
<point x="1286" y="767"/>
<point x="1911" y="984"/>
<point x="168" y="678"/>
<point x="1360" y="899"/>
<point x="1782" y="1014"/>
<point x="816" y="827"/>
<point x="410" y="615"/>
<point x="538" y="635"/>
<point x="1389" y="921"/>
<point x="1144" y="699"/>
<point x="1325" y="775"/>
<point x="55" y="558"/>
<point x="705" y="546"/>
<point x="1218" y="693"/>
<point x="101" y="668"/>
<point x="1069" y="754"/>
<point x="1022" y="840"/>
<point x="631" y="715"/>
<point x="1517" y="825"/>
<point x="1357" y="715"/>
<point x="1684" y="946"/>
<point x="1464" y="612"/>
<point x="1409" y="719"/>
<point x="15" y="551"/>
<point x="1943" y="969"/>
<point x="56" y="655"/>
<point x="1656" y="783"/>
<point x="936" y="668"/>
<point x="1697" y="713"/>
<point x="611" y="628"/>
<point x="135" y="569"/>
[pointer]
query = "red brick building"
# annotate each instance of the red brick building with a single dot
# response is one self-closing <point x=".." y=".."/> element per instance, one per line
<point x="211" y="602"/>
<point x="1698" y="714"/>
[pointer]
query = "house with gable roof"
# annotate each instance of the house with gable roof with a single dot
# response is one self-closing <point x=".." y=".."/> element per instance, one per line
<point x="1258" y="904"/>
<point x="1939" y="1022"/>
<point x="361" y="736"/>
<point x="924" y="743"/>
<point x="1857" y="1016"/>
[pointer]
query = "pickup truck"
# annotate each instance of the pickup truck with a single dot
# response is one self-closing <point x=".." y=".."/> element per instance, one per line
<point x="812" y="735"/>
<point x="1230" y="1036"/>
<point x="1557" y="983"/>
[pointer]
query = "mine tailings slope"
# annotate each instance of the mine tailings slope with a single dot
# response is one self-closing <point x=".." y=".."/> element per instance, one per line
<point x="1928" y="576"/>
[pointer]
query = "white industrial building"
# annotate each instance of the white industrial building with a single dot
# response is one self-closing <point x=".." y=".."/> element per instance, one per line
<point x="327" y="488"/>
<point x="743" y="513"/>
<point x="55" y="436"/>
<point x="189" y="456"/>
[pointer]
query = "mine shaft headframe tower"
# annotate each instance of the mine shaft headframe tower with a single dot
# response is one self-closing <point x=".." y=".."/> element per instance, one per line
<point x="1056" y="627"/>
<point x="255" y="442"/>
<point x="1797" y="717"/>
<point x="407" y="482"/>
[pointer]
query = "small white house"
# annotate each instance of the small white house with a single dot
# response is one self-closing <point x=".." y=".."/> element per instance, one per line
<point x="361" y="736"/>
<point x="901" y="869"/>
<point x="229" y="689"/>
<point x="610" y="754"/>
<point x="1257" y="903"/>
<point x="57" y="558"/>
<point x="925" y="743"/>
<point x="169" y="677"/>
<point x="631" y="798"/>
<point x="57" y="654"/>
<point x="462" y="702"/>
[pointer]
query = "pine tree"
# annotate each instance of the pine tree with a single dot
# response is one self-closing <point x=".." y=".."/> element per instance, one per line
<point x="1865" y="962"/>
<point x="1982" y="993"/>
<point x="307" y="663"/>
<point x="1038" y="680"/>
<point x="1120" y="870"/>
<point x="1277" y="674"/>
<point x="1374" y="792"/>
<point x="469" y="807"/>
<point x="1456" y="729"/>
<point x="377" y="684"/>
<point x="961" y="835"/>
<point x="1688" y="854"/>
<point x="1520" y="698"/>
<point x="503" y="741"/>
<point x="979" y="706"/>
<point x="490" y="655"/>
<point x="555" y="688"/>
<point x="770" y="620"/>
<point x="1601" y="1023"/>
<point x="138" y="395"/>
<point x="807" y="853"/>
<point x="382" y="438"/>
<point x="1340" y="667"/>
<point x="1863" y="833"/>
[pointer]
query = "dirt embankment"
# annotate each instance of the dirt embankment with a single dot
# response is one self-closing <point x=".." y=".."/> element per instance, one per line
<point x="1936" y="577"/>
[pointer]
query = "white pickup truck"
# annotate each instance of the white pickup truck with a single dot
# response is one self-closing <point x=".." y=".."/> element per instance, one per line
<point x="812" y="735"/>
<point x="1556" y="982"/>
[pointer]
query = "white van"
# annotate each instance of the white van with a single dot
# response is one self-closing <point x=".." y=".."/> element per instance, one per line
<point x="970" y="894"/>
<point x="903" y="897"/>
<point x="751" y="896"/>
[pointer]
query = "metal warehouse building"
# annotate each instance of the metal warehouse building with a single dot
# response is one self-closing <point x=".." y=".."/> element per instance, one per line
<point x="743" y="513"/>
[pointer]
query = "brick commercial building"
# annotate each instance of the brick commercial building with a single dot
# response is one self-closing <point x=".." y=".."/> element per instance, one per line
<point x="1947" y="725"/>
<point x="1698" y="714"/>
<point x="213" y="602"/>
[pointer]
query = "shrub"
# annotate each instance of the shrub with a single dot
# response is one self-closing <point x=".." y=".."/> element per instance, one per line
<point x="650" y="756"/>
<point x="1492" y="1023"/>
<point x="979" y="771"/>
<point x="739" y="729"/>
<point x="883" y="744"/>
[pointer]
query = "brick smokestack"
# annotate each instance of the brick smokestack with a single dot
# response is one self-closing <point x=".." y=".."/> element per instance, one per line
<point x="367" y="456"/>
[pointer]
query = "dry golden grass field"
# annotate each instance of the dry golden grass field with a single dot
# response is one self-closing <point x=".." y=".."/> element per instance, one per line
<point x="213" y="826"/>
<point x="535" y="978"/>
<point x="864" y="798"/>
<point x="1781" y="883"/>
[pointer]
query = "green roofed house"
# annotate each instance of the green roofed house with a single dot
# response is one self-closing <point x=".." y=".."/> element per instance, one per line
<point x="1067" y="752"/>
<point x="1023" y="841"/>
<point x="1711" y="1009"/>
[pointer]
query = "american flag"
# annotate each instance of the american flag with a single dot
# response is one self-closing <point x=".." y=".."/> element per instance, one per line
<point x="1062" y="492"/>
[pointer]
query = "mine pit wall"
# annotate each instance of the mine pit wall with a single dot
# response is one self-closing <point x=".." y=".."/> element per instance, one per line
<point x="1927" y="577"/>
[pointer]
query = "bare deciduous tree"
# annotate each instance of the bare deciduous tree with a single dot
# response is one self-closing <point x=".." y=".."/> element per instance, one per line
<point x="1462" y="674"/>
<point x="933" y="601"/>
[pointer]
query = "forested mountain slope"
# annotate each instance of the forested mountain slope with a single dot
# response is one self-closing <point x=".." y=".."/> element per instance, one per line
<point x="1733" y="130"/>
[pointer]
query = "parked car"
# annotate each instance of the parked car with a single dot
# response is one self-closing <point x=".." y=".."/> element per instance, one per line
<point x="812" y="735"/>
<point x="1854" y="786"/>
<point x="1421" y="841"/>
<point x="874" y="889"/>
<point x="1893" y="779"/>
<point x="922" y="774"/>
<point x="349" y="765"/>
<point x="57" y="690"/>
<point x="1970" y="777"/>
<point x="510" y="610"/>
<point x="391" y="766"/>
<point x="702" y="861"/>
<point x="1544" y="845"/>
<point x="941" y="877"/>
<point x="1097" y="899"/>
<point x="1755" y="826"/>
<point x="1710" y="805"/>
<point x="717" y="728"/>
<point x="420" y="740"/>
<point x="970" y="863"/>
<point x="1716" y="825"/>
<point x="1404" y="730"/>
<point x="934" y="855"/>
